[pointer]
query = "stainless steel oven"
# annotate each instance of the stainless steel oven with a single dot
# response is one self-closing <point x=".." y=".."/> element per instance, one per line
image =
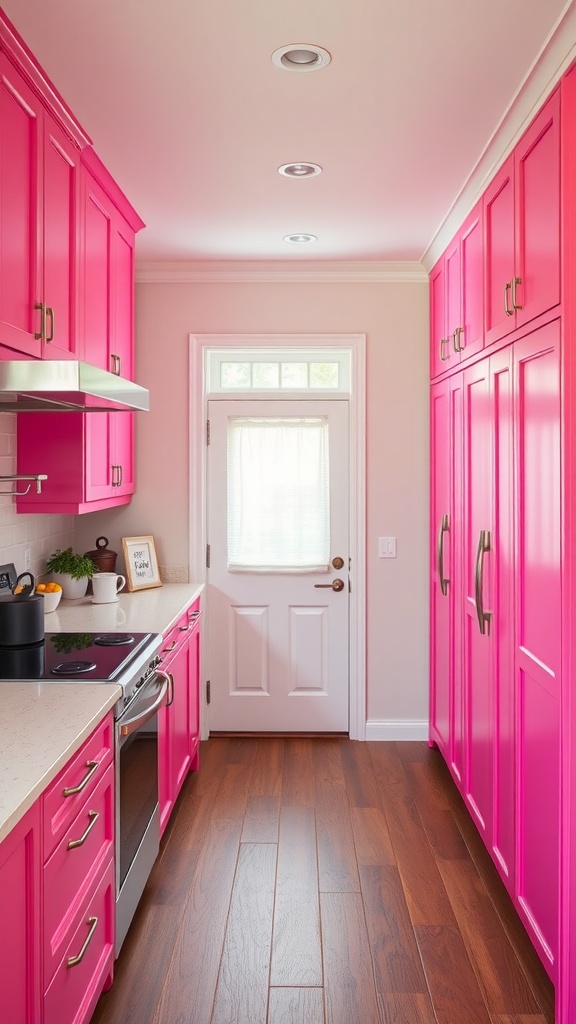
<point x="137" y="811"/>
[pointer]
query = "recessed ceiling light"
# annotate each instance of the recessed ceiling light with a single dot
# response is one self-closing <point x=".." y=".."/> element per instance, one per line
<point x="300" y="239"/>
<point x="301" y="57"/>
<point x="300" y="170"/>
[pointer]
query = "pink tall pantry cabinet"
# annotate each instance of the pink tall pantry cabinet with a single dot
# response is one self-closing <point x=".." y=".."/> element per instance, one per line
<point x="503" y="532"/>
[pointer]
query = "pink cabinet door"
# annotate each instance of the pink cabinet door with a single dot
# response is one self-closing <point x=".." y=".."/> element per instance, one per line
<point x="538" y="635"/>
<point x="438" y="336"/>
<point x="181" y="714"/>
<point x="20" y="921"/>
<point x="453" y="269"/>
<point x="21" y="115"/>
<point x="96" y="262"/>
<point x="470" y="336"/>
<point x="61" y="189"/>
<point x="477" y="561"/>
<point x="122" y="354"/>
<point x="499" y="253"/>
<point x="194" y="695"/>
<point x="537" y="169"/>
<point x="503" y="576"/>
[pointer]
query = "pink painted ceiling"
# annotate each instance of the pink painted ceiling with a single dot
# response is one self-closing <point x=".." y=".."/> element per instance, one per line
<point x="186" y="108"/>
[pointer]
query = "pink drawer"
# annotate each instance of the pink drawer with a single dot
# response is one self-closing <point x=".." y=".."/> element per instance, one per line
<point x="70" y="872"/>
<point x="81" y="776"/>
<point x="75" y="988"/>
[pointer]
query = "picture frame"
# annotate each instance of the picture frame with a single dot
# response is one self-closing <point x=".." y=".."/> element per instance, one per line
<point x="141" y="563"/>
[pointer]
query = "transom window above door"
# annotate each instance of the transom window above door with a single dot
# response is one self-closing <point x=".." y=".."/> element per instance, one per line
<point x="278" y="371"/>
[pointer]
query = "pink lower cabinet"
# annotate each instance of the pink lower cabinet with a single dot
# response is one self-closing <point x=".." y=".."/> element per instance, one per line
<point x="538" y="635"/>
<point x="19" y="921"/>
<point x="496" y="639"/>
<point x="79" y="881"/>
<point x="178" y="726"/>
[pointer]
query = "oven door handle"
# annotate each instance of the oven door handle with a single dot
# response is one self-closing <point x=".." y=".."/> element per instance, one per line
<point x="132" y="724"/>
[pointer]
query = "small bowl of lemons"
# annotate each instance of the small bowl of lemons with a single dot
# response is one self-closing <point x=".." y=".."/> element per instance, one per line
<point x="52" y="592"/>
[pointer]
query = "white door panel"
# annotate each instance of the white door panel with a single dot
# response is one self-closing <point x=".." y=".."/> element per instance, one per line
<point x="279" y="647"/>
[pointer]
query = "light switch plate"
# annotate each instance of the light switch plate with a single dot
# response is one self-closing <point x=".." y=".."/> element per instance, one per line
<point x="386" y="547"/>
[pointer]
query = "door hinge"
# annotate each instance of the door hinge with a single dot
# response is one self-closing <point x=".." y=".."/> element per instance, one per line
<point x="207" y="691"/>
<point x="207" y="431"/>
<point x="207" y="556"/>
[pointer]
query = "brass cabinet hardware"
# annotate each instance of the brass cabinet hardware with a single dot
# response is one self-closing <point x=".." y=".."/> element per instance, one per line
<point x="74" y="843"/>
<point x="483" y="616"/>
<point x="507" y="310"/>
<point x="444" y="528"/>
<point x="116" y="364"/>
<point x="338" y="563"/>
<point x="92" y="767"/>
<point x="515" y="281"/>
<point x="336" y="585"/>
<point x="50" y="313"/>
<point x="92" y="923"/>
<point x="39" y="335"/>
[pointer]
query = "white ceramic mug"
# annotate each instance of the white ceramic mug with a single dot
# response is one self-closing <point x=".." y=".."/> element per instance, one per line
<point x="105" y="586"/>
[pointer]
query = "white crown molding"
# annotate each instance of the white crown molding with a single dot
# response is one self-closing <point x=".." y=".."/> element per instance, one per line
<point x="555" y="57"/>
<point x="280" y="272"/>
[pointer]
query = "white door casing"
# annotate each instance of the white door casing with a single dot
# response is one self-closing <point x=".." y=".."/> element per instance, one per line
<point x="278" y="642"/>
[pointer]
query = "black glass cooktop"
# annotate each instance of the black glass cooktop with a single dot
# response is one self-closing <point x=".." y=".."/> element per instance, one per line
<point x="92" y="657"/>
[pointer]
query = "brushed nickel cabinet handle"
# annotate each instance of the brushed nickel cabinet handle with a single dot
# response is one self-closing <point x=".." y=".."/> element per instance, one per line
<point x="50" y="313"/>
<point x="456" y="339"/>
<point x="170" y="700"/>
<point x="515" y="281"/>
<point x="483" y="616"/>
<point x="92" y="766"/>
<point x="75" y="843"/>
<point x="444" y="528"/>
<point x="39" y="335"/>
<point x="166" y="650"/>
<point x="507" y="310"/>
<point x="116" y="364"/>
<point x="92" y="923"/>
<point x="444" y="341"/>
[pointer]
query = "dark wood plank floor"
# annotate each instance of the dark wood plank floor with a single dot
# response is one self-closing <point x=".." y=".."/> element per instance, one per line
<point x="323" y="881"/>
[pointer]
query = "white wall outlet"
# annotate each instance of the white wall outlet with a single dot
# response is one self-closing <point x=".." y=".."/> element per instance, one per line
<point x="386" y="547"/>
<point x="27" y="558"/>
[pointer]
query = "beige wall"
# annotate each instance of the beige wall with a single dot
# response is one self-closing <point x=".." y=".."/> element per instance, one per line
<point x="394" y="318"/>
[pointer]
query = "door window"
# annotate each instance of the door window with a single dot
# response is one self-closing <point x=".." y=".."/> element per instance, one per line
<point x="278" y="494"/>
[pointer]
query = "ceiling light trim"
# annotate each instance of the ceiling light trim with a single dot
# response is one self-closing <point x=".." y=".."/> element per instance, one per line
<point x="300" y="169"/>
<point x="280" y="272"/>
<point x="293" y="57"/>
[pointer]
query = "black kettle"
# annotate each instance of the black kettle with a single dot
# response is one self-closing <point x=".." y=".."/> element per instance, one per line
<point x="21" y="614"/>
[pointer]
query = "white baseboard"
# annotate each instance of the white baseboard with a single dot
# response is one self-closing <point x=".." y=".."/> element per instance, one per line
<point x="397" y="729"/>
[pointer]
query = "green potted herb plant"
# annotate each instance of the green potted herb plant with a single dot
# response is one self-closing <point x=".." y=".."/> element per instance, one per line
<point x="71" y="571"/>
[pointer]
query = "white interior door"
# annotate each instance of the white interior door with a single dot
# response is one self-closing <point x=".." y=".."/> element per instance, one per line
<point x="278" y="516"/>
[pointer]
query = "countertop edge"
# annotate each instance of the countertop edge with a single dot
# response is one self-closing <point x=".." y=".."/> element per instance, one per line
<point x="54" y="763"/>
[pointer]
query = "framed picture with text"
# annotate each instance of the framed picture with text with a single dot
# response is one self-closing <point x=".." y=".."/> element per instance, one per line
<point x="141" y="563"/>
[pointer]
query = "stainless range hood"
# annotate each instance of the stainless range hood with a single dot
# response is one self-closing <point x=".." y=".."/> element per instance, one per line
<point x="66" y="385"/>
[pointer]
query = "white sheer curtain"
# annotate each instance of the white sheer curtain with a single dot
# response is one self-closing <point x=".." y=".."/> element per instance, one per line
<point x="278" y="494"/>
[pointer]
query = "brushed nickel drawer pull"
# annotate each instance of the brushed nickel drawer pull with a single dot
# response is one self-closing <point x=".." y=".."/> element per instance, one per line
<point x="93" y="766"/>
<point x="75" y="960"/>
<point x="166" y="650"/>
<point x="444" y="581"/>
<point x="74" y="843"/>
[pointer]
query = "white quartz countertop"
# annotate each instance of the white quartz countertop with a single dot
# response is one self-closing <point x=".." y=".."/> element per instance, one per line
<point x="143" y="611"/>
<point x="43" y="724"/>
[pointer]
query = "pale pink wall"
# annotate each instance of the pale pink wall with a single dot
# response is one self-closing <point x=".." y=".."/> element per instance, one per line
<point x="395" y="319"/>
